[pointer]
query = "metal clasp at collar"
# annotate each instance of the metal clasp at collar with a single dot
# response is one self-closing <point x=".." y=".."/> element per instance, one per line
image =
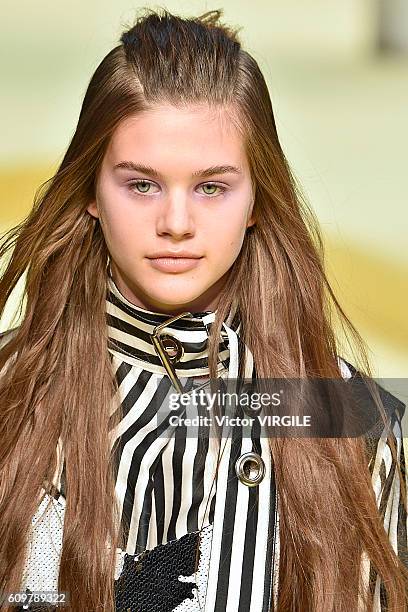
<point x="163" y="343"/>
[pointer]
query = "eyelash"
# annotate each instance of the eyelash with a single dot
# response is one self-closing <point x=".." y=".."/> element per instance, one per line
<point x="134" y="183"/>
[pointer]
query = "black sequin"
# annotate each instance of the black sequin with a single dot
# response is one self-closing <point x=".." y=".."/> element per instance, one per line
<point x="149" y="581"/>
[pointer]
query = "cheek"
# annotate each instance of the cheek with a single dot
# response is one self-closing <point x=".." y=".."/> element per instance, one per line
<point x="227" y="232"/>
<point x="122" y="230"/>
<point x="225" y="242"/>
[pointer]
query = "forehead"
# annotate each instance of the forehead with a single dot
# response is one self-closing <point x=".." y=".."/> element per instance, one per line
<point x="171" y="136"/>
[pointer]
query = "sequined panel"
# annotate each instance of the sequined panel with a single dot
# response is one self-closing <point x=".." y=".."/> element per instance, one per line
<point x="162" y="579"/>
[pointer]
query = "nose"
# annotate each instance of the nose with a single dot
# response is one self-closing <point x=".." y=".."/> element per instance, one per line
<point x="175" y="217"/>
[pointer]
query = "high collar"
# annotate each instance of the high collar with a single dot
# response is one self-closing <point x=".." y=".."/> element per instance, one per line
<point x="130" y="326"/>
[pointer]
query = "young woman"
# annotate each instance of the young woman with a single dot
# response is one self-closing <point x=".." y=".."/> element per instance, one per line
<point x="170" y="251"/>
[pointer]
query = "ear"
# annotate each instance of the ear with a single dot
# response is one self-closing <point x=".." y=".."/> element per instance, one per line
<point x="251" y="220"/>
<point x="93" y="209"/>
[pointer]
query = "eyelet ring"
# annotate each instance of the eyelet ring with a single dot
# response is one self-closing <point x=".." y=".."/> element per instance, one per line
<point x="250" y="469"/>
<point x="173" y="347"/>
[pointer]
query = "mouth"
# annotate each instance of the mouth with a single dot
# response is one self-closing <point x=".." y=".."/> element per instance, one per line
<point x="174" y="264"/>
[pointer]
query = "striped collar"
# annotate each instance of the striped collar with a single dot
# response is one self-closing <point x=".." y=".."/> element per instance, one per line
<point x="130" y="326"/>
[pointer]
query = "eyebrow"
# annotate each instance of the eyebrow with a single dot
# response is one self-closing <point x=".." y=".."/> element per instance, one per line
<point x="223" y="169"/>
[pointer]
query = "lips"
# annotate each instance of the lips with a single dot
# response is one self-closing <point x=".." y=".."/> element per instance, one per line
<point x="174" y="254"/>
<point x="174" y="264"/>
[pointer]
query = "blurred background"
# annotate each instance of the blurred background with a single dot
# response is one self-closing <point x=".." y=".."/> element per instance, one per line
<point x="338" y="77"/>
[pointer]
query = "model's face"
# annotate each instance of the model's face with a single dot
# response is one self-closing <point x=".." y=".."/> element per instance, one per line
<point x="173" y="180"/>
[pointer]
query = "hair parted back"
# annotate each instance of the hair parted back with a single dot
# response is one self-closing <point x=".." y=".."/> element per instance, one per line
<point x="328" y="508"/>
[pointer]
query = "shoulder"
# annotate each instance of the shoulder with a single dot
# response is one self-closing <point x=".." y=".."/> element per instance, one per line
<point x="7" y="335"/>
<point x="392" y="404"/>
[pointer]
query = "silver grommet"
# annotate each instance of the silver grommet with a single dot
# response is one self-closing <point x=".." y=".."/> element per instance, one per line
<point x="173" y="347"/>
<point x="250" y="469"/>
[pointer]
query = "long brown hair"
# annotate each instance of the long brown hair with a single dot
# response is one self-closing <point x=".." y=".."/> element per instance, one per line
<point x="328" y="508"/>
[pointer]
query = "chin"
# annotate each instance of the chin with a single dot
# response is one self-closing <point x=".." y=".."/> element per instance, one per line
<point x="173" y="299"/>
<point x="181" y="303"/>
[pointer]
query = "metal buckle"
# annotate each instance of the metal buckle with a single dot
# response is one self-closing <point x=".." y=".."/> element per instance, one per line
<point x="166" y="359"/>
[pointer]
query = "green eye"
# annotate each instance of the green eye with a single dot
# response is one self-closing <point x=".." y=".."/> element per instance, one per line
<point x="213" y="186"/>
<point x="143" y="184"/>
<point x="210" y="186"/>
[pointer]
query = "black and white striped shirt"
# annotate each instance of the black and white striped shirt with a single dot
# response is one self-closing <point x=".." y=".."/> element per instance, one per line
<point x="165" y="485"/>
<point x="164" y="482"/>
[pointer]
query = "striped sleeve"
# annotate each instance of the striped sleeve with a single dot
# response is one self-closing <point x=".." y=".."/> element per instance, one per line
<point x="387" y="488"/>
<point x="386" y="482"/>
